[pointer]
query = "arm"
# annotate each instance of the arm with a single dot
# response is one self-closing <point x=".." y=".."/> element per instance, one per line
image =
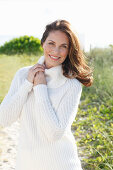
<point x="13" y="102"/>
<point x="54" y="124"/>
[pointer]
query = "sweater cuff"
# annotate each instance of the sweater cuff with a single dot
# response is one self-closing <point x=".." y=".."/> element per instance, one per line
<point x="40" y="92"/>
<point x="28" y="85"/>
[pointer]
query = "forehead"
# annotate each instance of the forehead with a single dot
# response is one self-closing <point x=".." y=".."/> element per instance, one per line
<point x="58" y="36"/>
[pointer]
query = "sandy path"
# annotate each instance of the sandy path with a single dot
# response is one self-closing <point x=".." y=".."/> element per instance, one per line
<point x="8" y="146"/>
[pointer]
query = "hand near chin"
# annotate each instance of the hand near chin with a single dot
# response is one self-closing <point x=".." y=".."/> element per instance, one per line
<point x="36" y="74"/>
<point x="39" y="78"/>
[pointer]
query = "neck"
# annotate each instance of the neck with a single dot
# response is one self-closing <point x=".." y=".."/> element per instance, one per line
<point x="48" y="66"/>
<point x="54" y="75"/>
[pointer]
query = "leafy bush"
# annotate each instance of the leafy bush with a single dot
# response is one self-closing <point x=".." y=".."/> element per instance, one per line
<point x="23" y="44"/>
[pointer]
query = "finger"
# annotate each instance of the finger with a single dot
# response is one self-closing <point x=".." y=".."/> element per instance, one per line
<point x="44" y="65"/>
<point x="39" y="74"/>
<point x="37" y="70"/>
<point x="37" y="65"/>
<point x="40" y="67"/>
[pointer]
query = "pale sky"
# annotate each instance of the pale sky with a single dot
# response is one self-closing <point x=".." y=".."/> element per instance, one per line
<point x="92" y="19"/>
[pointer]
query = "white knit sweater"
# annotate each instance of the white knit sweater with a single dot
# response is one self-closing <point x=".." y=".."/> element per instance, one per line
<point x="46" y="113"/>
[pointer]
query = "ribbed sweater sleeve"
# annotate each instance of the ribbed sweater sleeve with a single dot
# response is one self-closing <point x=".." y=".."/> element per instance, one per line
<point x="12" y="104"/>
<point x="54" y="124"/>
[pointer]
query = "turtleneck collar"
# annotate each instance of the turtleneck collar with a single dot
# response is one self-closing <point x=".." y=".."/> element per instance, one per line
<point x="54" y="75"/>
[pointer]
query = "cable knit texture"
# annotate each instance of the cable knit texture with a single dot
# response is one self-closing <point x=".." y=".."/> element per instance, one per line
<point x="46" y="113"/>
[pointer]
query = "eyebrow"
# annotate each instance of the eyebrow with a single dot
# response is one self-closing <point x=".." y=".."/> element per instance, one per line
<point x="61" y="44"/>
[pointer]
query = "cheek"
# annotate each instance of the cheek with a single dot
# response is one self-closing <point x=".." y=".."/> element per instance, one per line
<point x="46" y="50"/>
<point x="63" y="57"/>
<point x="64" y="54"/>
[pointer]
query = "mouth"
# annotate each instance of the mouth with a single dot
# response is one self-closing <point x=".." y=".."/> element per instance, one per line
<point x="55" y="58"/>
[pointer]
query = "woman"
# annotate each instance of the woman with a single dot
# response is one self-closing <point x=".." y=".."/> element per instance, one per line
<point x="45" y="98"/>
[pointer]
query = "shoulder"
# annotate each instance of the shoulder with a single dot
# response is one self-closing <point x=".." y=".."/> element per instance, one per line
<point x="73" y="90"/>
<point x="75" y="84"/>
<point x="22" y="72"/>
<point x="23" y="69"/>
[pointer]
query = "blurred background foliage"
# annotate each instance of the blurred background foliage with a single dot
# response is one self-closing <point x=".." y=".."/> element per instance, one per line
<point x="24" y="44"/>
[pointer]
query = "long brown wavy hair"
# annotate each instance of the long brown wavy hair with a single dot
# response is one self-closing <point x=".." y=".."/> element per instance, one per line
<point x="75" y="64"/>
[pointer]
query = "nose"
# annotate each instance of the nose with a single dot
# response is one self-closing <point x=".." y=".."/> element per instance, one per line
<point x="56" y="50"/>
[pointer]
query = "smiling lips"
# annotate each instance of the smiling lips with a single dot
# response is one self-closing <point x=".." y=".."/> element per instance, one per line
<point x="54" y="57"/>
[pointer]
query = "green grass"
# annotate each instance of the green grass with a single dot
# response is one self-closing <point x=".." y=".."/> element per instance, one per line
<point x="94" y="121"/>
<point x="94" y="129"/>
<point x="8" y="67"/>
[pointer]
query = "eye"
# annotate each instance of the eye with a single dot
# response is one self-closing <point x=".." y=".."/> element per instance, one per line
<point x="50" y="43"/>
<point x="64" y="46"/>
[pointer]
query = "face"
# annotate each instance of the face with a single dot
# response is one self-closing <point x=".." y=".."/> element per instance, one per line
<point x="56" y="48"/>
